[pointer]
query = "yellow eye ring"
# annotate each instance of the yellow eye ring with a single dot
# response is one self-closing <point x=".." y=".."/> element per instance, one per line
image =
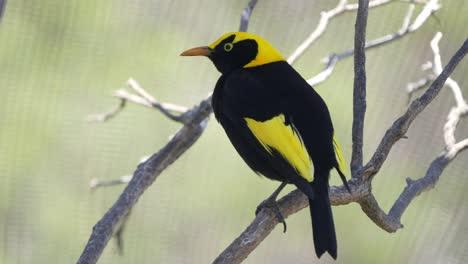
<point x="228" y="46"/>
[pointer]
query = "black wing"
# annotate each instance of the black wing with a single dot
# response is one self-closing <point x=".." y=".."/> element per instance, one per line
<point x="240" y="97"/>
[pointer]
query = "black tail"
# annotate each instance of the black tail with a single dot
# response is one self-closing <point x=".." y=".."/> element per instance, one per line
<point x="322" y="219"/>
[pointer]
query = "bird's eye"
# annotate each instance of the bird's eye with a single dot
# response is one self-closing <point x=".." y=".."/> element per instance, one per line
<point x="228" y="46"/>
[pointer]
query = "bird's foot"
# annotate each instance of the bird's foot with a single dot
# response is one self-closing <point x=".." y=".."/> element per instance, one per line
<point x="270" y="203"/>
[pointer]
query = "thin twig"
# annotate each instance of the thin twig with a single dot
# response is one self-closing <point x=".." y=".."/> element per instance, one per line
<point x="103" y="117"/>
<point x="452" y="148"/>
<point x="415" y="86"/>
<point x="142" y="97"/>
<point x="96" y="183"/>
<point x="325" y="17"/>
<point x="406" y="29"/>
<point x="428" y="9"/>
<point x="461" y="107"/>
<point x="324" y="74"/>
<point x="401" y="125"/>
<point x="166" y="108"/>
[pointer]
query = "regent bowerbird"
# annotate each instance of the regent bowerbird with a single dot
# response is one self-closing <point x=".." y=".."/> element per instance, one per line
<point x="278" y="124"/>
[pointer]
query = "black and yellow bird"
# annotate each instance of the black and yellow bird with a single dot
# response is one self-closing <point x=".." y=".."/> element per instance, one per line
<point x="277" y="123"/>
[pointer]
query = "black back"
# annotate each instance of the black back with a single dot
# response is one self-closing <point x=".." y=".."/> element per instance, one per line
<point x="266" y="91"/>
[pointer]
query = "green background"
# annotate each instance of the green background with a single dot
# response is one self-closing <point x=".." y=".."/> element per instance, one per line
<point x="61" y="60"/>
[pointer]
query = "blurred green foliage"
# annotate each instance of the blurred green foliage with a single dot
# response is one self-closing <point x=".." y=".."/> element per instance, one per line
<point x="60" y="60"/>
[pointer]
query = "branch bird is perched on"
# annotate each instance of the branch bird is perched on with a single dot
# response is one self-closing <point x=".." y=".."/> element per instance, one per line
<point x="277" y="123"/>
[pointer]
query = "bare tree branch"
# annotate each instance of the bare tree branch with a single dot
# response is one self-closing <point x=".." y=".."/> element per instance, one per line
<point x="245" y="16"/>
<point x="401" y="125"/>
<point x="324" y="74"/>
<point x="264" y="222"/>
<point x="452" y="148"/>
<point x="166" y="108"/>
<point x="144" y="176"/>
<point x="371" y="208"/>
<point x="359" y="91"/>
<point x="195" y="121"/>
<point x="97" y="183"/>
<point x="406" y="28"/>
<point x="325" y="17"/>
<point x="429" y="8"/>
<point x="103" y="117"/>
<point x="2" y="8"/>
<point x="172" y="111"/>
<point x="414" y="188"/>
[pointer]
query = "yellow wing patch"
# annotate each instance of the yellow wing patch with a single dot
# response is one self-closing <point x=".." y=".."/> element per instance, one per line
<point x="275" y="134"/>
<point x="339" y="155"/>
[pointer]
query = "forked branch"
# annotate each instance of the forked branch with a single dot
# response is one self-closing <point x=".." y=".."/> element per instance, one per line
<point x="194" y="122"/>
<point x="360" y="186"/>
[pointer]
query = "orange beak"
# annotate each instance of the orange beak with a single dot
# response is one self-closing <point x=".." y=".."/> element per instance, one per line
<point x="198" y="51"/>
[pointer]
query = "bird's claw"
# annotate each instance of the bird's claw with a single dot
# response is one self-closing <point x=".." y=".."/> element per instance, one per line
<point x="272" y="205"/>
